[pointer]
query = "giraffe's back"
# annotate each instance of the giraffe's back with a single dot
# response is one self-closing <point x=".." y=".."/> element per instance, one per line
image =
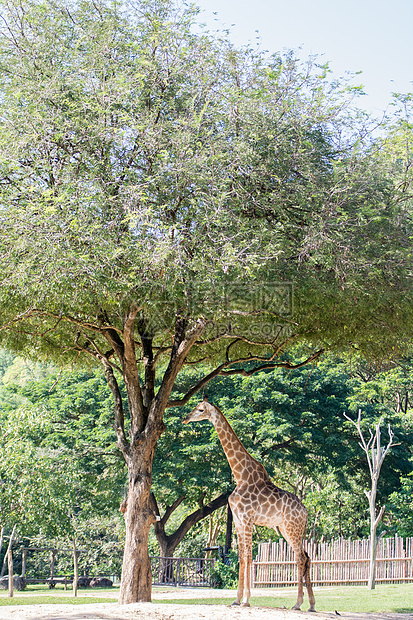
<point x="266" y="504"/>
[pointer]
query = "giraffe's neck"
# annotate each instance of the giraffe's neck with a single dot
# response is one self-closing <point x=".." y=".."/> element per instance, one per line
<point x="244" y="467"/>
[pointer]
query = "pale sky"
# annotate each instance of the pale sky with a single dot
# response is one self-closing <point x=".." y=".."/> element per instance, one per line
<point x="372" y="36"/>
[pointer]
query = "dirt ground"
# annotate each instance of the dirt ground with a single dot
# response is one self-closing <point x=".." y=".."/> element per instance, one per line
<point x="152" y="611"/>
<point x="157" y="611"/>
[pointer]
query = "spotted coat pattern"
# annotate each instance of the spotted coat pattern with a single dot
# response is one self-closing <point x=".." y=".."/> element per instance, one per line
<point x="257" y="500"/>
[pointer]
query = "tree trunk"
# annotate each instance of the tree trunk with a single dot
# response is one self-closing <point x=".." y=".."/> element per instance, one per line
<point x="136" y="580"/>
<point x="166" y="565"/>
<point x="6" y="554"/>
<point x="374" y="521"/>
<point x="52" y="561"/>
<point x="146" y="411"/>
<point x="228" y="533"/>
<point x="373" y="549"/>
<point x="24" y="558"/>
<point x="167" y="550"/>
<point x="3" y="529"/>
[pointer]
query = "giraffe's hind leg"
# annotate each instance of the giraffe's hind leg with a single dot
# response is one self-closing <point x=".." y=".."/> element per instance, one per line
<point x="300" y="561"/>
<point x="308" y="583"/>
<point x="303" y="565"/>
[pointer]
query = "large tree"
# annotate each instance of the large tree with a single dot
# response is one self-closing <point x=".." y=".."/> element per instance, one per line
<point x="161" y="194"/>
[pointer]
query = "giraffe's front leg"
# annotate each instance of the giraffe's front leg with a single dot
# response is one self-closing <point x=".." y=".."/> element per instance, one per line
<point x="239" y="526"/>
<point x="241" y="573"/>
<point x="240" y="580"/>
<point x="242" y="553"/>
<point x="247" y="564"/>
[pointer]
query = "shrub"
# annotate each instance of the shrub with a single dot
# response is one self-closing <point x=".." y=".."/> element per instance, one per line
<point x="225" y="575"/>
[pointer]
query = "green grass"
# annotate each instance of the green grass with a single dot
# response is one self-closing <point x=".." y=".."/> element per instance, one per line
<point x="42" y="595"/>
<point x="47" y="600"/>
<point x="385" y="598"/>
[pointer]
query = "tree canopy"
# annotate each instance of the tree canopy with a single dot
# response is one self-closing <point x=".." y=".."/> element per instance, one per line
<point x="145" y="166"/>
<point x="168" y="198"/>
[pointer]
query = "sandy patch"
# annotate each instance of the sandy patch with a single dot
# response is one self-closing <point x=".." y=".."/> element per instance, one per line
<point x="158" y="611"/>
<point x="154" y="611"/>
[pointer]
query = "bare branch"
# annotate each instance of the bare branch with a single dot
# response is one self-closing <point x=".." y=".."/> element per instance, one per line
<point x="95" y="352"/>
<point x="375" y="455"/>
<point x="101" y="329"/>
<point x="123" y="443"/>
<point x="195" y="388"/>
<point x="220" y="370"/>
<point x="379" y="516"/>
<point x="183" y="342"/>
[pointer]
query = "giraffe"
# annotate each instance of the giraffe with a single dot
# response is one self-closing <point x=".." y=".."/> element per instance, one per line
<point x="256" y="500"/>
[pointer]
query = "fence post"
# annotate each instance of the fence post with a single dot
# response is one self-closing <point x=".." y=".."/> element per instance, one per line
<point x="24" y="557"/>
<point x="75" y="568"/>
<point x="10" y="563"/>
<point x="52" y="563"/>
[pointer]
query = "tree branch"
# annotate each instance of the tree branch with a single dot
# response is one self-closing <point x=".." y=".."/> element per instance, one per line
<point x="123" y="443"/>
<point x="220" y="370"/>
<point x="182" y="344"/>
<point x="195" y="388"/>
<point x="379" y="516"/>
<point x="149" y="364"/>
<point x="203" y="512"/>
<point x="137" y="409"/>
<point x="168" y="511"/>
<point x="173" y="540"/>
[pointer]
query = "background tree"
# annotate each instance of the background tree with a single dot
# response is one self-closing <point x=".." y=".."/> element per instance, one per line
<point x="169" y="542"/>
<point x="60" y="470"/>
<point x="375" y="454"/>
<point x="45" y="486"/>
<point x="302" y="439"/>
<point x="151" y="181"/>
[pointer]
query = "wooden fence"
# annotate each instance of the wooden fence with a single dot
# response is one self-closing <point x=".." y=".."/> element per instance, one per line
<point x="339" y="562"/>
<point x="194" y="572"/>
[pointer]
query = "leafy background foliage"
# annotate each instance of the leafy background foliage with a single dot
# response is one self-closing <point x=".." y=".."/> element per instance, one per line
<point x="62" y="477"/>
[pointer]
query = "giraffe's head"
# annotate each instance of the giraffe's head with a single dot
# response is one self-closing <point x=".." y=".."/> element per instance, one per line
<point x="201" y="412"/>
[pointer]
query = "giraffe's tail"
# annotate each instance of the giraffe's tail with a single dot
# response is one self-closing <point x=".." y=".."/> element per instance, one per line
<point x="307" y="557"/>
<point x="307" y="563"/>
